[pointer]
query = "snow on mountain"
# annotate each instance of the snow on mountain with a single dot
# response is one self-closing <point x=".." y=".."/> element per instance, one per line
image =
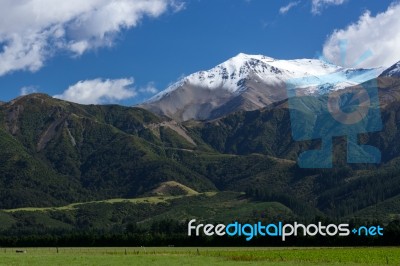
<point x="230" y="74"/>
<point x="249" y="82"/>
<point x="393" y="71"/>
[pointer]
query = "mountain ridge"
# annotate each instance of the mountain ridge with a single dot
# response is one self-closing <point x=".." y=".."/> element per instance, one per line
<point x="248" y="82"/>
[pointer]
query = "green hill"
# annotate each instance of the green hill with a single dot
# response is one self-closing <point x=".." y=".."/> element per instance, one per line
<point x="55" y="153"/>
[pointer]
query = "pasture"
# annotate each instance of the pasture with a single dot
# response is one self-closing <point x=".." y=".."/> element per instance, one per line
<point x="200" y="256"/>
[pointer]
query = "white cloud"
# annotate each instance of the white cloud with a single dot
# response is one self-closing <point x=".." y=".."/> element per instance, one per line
<point x="99" y="91"/>
<point x="178" y="6"/>
<point x="150" y="88"/>
<point x="378" y="34"/>
<point x="318" y="5"/>
<point x="31" y="31"/>
<point x="28" y="90"/>
<point x="285" y="9"/>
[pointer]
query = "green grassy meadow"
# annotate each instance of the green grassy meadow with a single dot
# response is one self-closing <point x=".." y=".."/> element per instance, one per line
<point x="201" y="256"/>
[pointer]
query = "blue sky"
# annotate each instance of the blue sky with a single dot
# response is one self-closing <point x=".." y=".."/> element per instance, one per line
<point x="149" y="48"/>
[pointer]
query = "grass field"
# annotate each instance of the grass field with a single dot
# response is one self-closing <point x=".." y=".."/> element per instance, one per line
<point x="201" y="256"/>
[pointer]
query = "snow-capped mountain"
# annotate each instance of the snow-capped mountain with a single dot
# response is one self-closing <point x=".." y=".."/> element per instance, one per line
<point x="249" y="82"/>
<point x="393" y="71"/>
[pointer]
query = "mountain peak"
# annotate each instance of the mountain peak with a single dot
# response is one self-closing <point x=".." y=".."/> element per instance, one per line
<point x="247" y="82"/>
<point x="393" y="71"/>
<point x="229" y="74"/>
<point x="244" y="57"/>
